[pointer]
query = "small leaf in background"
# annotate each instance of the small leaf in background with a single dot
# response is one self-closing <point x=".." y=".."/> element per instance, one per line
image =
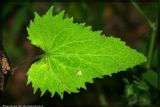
<point x="130" y="92"/>
<point x="137" y="92"/>
<point x="151" y="77"/>
<point x="141" y="85"/>
<point x="74" y="54"/>
<point x="144" y="99"/>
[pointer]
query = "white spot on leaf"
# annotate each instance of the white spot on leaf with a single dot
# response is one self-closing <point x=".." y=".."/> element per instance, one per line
<point x="79" y="73"/>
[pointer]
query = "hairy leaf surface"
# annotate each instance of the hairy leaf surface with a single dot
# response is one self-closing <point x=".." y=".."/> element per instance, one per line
<point x="74" y="54"/>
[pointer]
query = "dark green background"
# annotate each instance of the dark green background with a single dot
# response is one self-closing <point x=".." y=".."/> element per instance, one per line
<point x="136" y="86"/>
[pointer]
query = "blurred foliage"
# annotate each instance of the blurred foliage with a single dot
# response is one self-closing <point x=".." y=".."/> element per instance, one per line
<point x="137" y="92"/>
<point x="151" y="77"/>
<point x="138" y="86"/>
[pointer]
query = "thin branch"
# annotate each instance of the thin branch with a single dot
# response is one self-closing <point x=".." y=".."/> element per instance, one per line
<point x="142" y="13"/>
<point x="153" y="26"/>
<point x="152" y="40"/>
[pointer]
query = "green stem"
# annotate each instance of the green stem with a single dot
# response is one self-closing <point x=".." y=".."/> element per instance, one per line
<point x="153" y="38"/>
<point x="142" y="13"/>
<point x="151" y="46"/>
<point x="153" y="35"/>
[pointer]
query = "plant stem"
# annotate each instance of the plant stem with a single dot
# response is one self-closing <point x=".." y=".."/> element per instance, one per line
<point x="141" y="12"/>
<point x="153" y="37"/>
<point x="151" y="46"/>
<point x="153" y="34"/>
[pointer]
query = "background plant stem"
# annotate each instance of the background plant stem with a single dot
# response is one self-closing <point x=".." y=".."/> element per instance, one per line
<point x="151" y="47"/>
<point x="153" y="26"/>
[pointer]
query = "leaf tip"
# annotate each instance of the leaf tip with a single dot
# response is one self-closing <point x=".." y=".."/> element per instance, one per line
<point x="36" y="15"/>
<point x="35" y="89"/>
<point x="50" y="10"/>
<point x="42" y="93"/>
<point x="52" y="94"/>
<point x="61" y="14"/>
<point x="28" y="83"/>
<point x="61" y="95"/>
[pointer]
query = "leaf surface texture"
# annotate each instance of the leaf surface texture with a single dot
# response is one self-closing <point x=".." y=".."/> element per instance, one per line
<point x="74" y="54"/>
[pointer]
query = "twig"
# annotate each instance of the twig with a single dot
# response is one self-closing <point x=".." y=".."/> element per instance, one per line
<point x="142" y="13"/>
<point x="153" y="26"/>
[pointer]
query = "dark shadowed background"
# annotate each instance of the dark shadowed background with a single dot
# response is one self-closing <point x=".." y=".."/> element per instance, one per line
<point x="126" y="20"/>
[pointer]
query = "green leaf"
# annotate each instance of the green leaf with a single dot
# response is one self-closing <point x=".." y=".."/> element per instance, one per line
<point x="151" y="77"/>
<point x="74" y="54"/>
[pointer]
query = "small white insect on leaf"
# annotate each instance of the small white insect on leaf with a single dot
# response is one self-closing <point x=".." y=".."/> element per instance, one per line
<point x="79" y="73"/>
